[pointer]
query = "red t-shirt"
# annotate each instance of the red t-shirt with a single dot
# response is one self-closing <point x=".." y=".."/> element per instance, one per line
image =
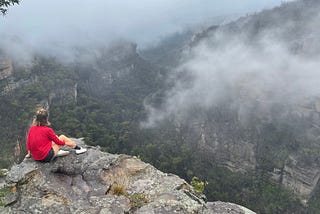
<point x="39" y="141"/>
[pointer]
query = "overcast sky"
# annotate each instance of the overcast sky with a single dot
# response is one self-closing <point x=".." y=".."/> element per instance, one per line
<point x="44" y="22"/>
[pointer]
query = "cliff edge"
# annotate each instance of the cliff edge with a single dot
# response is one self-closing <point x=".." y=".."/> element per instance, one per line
<point x="99" y="182"/>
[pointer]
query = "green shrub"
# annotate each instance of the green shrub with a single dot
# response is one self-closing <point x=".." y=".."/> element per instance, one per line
<point x="198" y="185"/>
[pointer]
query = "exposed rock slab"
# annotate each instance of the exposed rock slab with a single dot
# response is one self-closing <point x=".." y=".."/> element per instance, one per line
<point x="5" y="68"/>
<point x="301" y="177"/>
<point x="99" y="182"/>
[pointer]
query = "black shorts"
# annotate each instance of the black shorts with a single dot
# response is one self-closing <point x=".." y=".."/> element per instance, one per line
<point x="49" y="157"/>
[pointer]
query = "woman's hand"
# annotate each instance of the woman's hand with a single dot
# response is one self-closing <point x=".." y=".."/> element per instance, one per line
<point x="28" y="155"/>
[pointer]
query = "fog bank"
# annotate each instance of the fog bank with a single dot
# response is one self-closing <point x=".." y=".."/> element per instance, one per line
<point x="55" y="27"/>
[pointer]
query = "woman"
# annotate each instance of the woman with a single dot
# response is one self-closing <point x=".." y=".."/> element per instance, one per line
<point x="43" y="144"/>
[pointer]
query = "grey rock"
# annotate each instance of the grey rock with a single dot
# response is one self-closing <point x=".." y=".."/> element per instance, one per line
<point x="227" y="208"/>
<point x="302" y="178"/>
<point x="10" y="198"/>
<point x="99" y="182"/>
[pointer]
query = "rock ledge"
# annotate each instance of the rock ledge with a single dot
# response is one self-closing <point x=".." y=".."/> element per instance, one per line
<point x="99" y="182"/>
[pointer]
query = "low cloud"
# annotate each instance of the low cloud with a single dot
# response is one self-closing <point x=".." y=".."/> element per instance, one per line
<point x="246" y="74"/>
<point x="56" y="27"/>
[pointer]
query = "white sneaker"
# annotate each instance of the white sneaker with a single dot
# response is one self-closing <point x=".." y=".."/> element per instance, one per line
<point x="62" y="153"/>
<point x="81" y="150"/>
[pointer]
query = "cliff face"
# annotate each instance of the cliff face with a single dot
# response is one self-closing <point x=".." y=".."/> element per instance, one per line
<point x="114" y="67"/>
<point x="98" y="182"/>
<point x="5" y="68"/>
<point x="301" y="177"/>
<point x="261" y="122"/>
<point x="287" y="147"/>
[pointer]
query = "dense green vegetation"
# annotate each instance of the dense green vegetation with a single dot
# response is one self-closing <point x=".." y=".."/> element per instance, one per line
<point x="255" y="191"/>
<point x="17" y="111"/>
<point x="111" y="120"/>
<point x="165" y="148"/>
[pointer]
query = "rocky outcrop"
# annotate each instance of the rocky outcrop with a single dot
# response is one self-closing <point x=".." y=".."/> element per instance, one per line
<point x="99" y="182"/>
<point x="5" y="68"/>
<point x="301" y="177"/>
<point x="110" y="65"/>
<point x="12" y="85"/>
<point x="227" y="208"/>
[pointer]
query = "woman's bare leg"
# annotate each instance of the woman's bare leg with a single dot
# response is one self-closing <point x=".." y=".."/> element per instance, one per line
<point x="55" y="148"/>
<point x="67" y="141"/>
<point x="72" y="144"/>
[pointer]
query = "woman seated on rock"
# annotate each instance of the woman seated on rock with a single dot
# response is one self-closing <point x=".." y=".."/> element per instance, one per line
<point x="43" y="144"/>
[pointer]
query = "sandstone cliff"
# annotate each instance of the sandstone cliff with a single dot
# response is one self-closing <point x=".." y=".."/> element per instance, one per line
<point x="5" y="68"/>
<point x="99" y="182"/>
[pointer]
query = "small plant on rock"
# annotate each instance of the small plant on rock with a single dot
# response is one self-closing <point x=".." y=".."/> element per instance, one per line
<point x="198" y="185"/>
<point x="137" y="200"/>
<point x="117" y="189"/>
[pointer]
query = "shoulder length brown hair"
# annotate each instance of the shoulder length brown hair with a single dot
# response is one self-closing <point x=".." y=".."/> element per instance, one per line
<point x="41" y="118"/>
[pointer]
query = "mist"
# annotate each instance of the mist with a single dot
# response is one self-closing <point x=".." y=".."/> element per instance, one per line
<point x="56" y="27"/>
<point x="267" y="72"/>
<point x="248" y="75"/>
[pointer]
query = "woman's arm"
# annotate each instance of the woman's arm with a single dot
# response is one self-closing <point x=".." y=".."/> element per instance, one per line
<point x="52" y="136"/>
<point x="28" y="155"/>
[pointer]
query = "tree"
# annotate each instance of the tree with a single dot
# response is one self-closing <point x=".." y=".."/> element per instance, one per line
<point x="4" y="4"/>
